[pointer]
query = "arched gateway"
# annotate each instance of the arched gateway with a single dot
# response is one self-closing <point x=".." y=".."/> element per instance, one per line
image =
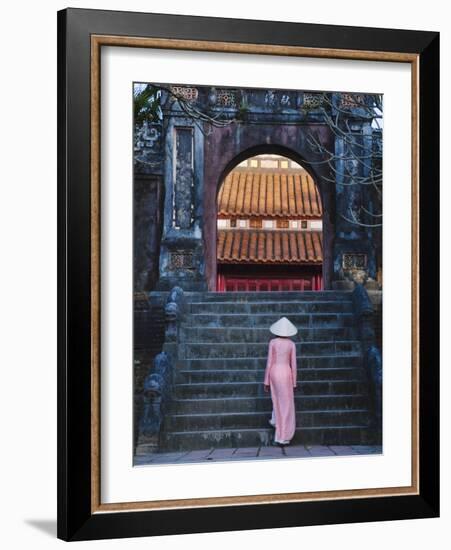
<point x="186" y="154"/>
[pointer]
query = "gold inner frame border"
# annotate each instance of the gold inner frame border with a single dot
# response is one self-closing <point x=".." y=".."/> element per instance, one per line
<point x="97" y="41"/>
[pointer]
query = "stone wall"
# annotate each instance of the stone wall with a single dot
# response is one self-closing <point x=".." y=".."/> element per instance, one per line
<point x="147" y="228"/>
<point x="226" y="147"/>
<point x="149" y="327"/>
<point x="376" y="300"/>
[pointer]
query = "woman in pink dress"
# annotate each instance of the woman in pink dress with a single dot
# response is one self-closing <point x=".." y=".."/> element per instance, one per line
<point x="280" y="378"/>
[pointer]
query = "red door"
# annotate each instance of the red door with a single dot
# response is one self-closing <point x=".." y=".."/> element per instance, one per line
<point x="226" y="283"/>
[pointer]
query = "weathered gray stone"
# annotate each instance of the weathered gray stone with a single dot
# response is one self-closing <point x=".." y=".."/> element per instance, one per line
<point x="364" y="312"/>
<point x="155" y="397"/>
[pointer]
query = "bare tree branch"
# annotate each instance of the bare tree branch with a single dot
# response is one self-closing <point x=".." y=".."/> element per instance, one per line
<point x="358" y="163"/>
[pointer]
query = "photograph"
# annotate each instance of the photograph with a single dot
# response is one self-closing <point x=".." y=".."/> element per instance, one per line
<point x="257" y="273"/>
<point x="248" y="307"/>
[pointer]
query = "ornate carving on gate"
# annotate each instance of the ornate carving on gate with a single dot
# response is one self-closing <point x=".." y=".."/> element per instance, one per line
<point x="184" y="179"/>
<point x="351" y="100"/>
<point x="181" y="260"/>
<point x="188" y="93"/>
<point x="312" y="101"/>
<point x="353" y="262"/>
<point x="226" y="97"/>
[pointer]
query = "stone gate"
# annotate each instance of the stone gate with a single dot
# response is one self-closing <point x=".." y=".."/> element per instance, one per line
<point x="183" y="157"/>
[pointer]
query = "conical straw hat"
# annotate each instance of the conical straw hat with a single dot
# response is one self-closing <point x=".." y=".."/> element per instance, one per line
<point x="283" y="327"/>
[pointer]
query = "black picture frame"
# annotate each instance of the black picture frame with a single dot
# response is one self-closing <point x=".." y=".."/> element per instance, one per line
<point x="76" y="519"/>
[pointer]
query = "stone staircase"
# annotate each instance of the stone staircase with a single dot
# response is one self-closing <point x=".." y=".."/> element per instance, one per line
<point x="218" y="398"/>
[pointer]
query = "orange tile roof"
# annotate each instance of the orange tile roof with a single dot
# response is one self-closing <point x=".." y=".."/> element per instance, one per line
<point x="259" y="246"/>
<point x="248" y="193"/>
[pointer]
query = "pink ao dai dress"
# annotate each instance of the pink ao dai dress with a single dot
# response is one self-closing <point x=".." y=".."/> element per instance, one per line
<point x="280" y="376"/>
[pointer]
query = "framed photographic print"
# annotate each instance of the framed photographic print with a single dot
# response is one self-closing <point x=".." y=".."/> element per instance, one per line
<point x="248" y="274"/>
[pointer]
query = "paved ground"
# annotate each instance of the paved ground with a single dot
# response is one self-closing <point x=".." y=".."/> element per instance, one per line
<point x="256" y="453"/>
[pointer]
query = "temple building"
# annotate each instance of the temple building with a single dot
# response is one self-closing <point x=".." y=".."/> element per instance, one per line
<point x="269" y="227"/>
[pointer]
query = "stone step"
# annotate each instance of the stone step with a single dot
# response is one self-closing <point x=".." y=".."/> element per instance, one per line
<point x="308" y="295"/>
<point x="225" y="421"/>
<point x="219" y="405"/>
<point x="265" y="320"/>
<point x="258" y="349"/>
<point x="257" y="375"/>
<point x="218" y="397"/>
<point x="252" y="335"/>
<point x="250" y="389"/>
<point x="241" y="363"/>
<point x="282" y="308"/>
<point x="253" y="437"/>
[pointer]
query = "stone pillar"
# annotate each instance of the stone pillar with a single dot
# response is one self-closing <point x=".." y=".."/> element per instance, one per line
<point x="354" y="249"/>
<point x="181" y="255"/>
<point x="147" y="226"/>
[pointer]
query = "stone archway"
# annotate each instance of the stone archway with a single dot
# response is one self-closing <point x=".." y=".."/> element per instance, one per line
<point x="192" y="158"/>
<point x="225" y="165"/>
